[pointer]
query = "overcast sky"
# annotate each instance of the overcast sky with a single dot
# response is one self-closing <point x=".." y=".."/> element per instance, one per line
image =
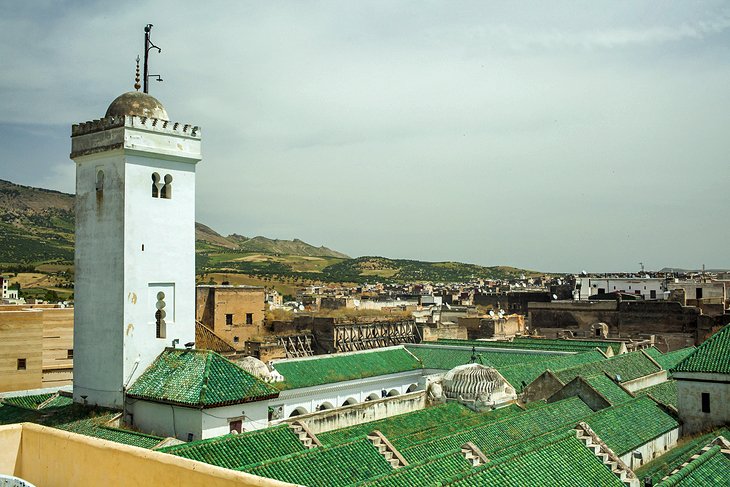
<point x="555" y="136"/>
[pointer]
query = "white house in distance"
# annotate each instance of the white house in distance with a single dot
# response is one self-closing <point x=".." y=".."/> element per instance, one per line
<point x="135" y="243"/>
<point x="649" y="288"/>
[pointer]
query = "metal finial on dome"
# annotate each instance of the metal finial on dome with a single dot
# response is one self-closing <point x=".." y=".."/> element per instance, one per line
<point x="137" y="86"/>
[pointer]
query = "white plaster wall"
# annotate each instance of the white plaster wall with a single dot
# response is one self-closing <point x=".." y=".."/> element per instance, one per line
<point x="646" y="381"/>
<point x="689" y="400"/>
<point x="310" y="398"/>
<point x="165" y="419"/>
<point x="99" y="267"/>
<point x="253" y="414"/>
<point x="114" y="325"/>
<point x="166" y="228"/>
<point x="362" y="413"/>
<point x="590" y="286"/>
<point x="651" y="449"/>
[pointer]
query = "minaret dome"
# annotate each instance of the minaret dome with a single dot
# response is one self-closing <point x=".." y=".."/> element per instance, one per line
<point x="139" y="104"/>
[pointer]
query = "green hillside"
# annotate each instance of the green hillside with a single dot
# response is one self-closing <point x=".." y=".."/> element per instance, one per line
<point x="37" y="227"/>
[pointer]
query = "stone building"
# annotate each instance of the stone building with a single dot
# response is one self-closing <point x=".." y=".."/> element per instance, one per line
<point x="235" y="313"/>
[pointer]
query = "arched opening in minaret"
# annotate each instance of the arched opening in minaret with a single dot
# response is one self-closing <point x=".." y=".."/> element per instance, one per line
<point x="160" y="325"/>
<point x="155" y="185"/>
<point x="100" y="181"/>
<point x="166" y="191"/>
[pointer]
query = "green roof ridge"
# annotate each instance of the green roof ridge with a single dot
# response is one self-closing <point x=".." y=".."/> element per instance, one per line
<point x="713" y="460"/>
<point x="712" y="356"/>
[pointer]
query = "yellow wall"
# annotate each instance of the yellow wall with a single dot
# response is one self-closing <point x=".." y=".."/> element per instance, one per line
<point x="42" y="335"/>
<point x="21" y="337"/>
<point x="49" y="457"/>
<point x="58" y="339"/>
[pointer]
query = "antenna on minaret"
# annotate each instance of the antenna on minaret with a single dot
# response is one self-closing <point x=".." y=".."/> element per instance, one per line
<point x="147" y="46"/>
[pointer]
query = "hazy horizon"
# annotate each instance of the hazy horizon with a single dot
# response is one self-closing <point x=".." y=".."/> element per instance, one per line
<point x="554" y="137"/>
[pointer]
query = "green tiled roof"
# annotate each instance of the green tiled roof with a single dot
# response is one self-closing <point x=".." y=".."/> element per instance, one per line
<point x="326" y="369"/>
<point x="713" y="356"/>
<point x="628" y="366"/>
<point x="448" y="357"/>
<point x="424" y="473"/>
<point x="327" y="466"/>
<point x="613" y="392"/>
<point x="674" y="458"/>
<point x="60" y="412"/>
<point x="450" y="426"/>
<point x="557" y="345"/>
<point x="710" y="468"/>
<point x="503" y="433"/>
<point x="653" y="352"/>
<point x="10" y="414"/>
<point x="646" y="419"/>
<point x="564" y="460"/>
<point x="238" y="451"/>
<point x="670" y="360"/>
<point x="49" y="400"/>
<point x="198" y="378"/>
<point x="402" y="424"/>
<point x="526" y="373"/>
<point x="664" y="392"/>
<point x="91" y="427"/>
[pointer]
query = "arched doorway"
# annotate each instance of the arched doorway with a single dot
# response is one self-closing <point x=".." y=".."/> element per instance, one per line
<point x="298" y="411"/>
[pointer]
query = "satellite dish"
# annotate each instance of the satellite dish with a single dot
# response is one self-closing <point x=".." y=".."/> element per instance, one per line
<point x="491" y="313"/>
<point x="555" y="296"/>
<point x="501" y="311"/>
<point x="584" y="273"/>
<point x="560" y="282"/>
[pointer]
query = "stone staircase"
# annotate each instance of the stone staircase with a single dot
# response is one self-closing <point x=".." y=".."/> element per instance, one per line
<point x="387" y="450"/>
<point x="473" y="454"/>
<point x="308" y="439"/>
<point x="606" y="455"/>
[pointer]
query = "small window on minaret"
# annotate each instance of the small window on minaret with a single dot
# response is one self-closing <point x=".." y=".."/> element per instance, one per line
<point x="100" y="181"/>
<point x="166" y="191"/>
<point x="156" y="185"/>
<point x="160" y="315"/>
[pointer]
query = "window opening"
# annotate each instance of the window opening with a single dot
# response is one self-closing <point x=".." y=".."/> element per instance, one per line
<point x="160" y="325"/>
<point x="235" y="339"/>
<point x="100" y="181"/>
<point x="70" y="353"/>
<point x="229" y="319"/>
<point x="166" y="191"/>
<point x="236" y="426"/>
<point x="249" y="318"/>
<point x="156" y="185"/>
<point x="705" y="402"/>
<point x="21" y="364"/>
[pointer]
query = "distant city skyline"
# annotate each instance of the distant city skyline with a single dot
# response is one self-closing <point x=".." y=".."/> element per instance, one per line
<point x="555" y="137"/>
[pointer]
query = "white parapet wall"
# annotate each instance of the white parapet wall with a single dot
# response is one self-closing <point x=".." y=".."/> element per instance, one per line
<point x="343" y="417"/>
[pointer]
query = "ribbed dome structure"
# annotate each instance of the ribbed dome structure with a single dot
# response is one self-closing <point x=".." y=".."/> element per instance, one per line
<point x="472" y="381"/>
<point x="139" y="104"/>
<point x="255" y="367"/>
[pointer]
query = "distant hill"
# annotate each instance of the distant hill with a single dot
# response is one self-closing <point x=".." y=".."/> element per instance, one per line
<point x="37" y="226"/>
<point x="690" y="271"/>
<point x="205" y="234"/>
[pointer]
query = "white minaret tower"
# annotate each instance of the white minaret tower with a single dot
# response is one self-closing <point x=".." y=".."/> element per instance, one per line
<point x="135" y="243"/>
